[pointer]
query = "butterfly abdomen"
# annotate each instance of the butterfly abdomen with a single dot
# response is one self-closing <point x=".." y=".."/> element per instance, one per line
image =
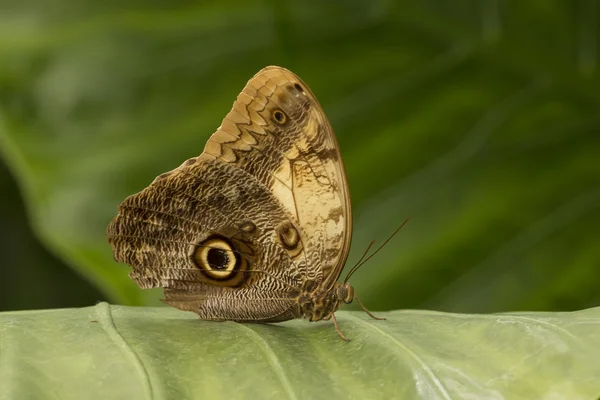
<point x="316" y="303"/>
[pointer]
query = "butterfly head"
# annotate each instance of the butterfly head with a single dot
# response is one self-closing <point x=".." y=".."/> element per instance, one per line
<point x="345" y="292"/>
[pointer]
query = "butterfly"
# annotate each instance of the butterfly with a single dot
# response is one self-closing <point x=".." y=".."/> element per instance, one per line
<point x="258" y="226"/>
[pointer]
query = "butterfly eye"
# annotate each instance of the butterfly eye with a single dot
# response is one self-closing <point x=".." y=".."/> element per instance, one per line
<point x="345" y="293"/>
<point x="298" y="87"/>
<point x="279" y="117"/>
<point x="217" y="259"/>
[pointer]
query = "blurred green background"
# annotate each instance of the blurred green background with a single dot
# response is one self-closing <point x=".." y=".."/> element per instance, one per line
<point x="480" y="119"/>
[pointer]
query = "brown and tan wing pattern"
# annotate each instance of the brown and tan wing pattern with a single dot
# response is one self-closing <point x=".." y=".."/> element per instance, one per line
<point x="235" y="232"/>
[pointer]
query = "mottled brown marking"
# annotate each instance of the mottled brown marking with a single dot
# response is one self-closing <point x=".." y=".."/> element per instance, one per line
<point x="190" y="161"/>
<point x="163" y="175"/>
<point x="328" y="154"/>
<point x="336" y="213"/>
<point x="215" y="199"/>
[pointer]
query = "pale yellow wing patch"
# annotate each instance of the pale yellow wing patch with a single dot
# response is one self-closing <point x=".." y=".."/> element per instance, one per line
<point x="298" y="160"/>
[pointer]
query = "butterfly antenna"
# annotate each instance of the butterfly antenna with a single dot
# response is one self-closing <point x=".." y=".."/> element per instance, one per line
<point x="361" y="261"/>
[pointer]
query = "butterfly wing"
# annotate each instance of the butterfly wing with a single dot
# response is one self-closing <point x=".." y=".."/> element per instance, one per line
<point x="236" y="232"/>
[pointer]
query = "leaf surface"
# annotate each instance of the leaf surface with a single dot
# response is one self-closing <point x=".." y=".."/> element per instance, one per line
<point x="134" y="353"/>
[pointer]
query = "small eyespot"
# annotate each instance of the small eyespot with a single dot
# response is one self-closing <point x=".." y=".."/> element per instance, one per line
<point x="289" y="237"/>
<point x="248" y="227"/>
<point x="279" y="117"/>
<point x="298" y="87"/>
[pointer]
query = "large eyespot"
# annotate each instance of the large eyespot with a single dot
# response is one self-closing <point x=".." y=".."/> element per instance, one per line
<point x="279" y="117"/>
<point x="218" y="260"/>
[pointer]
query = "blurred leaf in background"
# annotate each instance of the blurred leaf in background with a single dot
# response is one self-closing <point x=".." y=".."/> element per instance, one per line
<point x="479" y="119"/>
<point x="30" y="277"/>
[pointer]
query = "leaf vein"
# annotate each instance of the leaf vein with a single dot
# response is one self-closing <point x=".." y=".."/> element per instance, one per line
<point x="437" y="382"/>
<point x="107" y="322"/>
<point x="272" y="359"/>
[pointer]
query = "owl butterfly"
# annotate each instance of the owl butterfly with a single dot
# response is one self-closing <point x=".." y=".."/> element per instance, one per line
<point x="257" y="228"/>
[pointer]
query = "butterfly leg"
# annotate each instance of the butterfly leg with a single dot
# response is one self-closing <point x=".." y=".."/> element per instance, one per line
<point x="367" y="311"/>
<point x="337" y="328"/>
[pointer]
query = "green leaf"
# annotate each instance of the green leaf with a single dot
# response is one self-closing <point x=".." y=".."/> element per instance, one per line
<point x="114" y="352"/>
<point x="478" y="119"/>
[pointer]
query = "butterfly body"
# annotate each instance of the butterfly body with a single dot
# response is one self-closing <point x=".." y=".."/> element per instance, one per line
<point x="319" y="304"/>
<point x="258" y="226"/>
